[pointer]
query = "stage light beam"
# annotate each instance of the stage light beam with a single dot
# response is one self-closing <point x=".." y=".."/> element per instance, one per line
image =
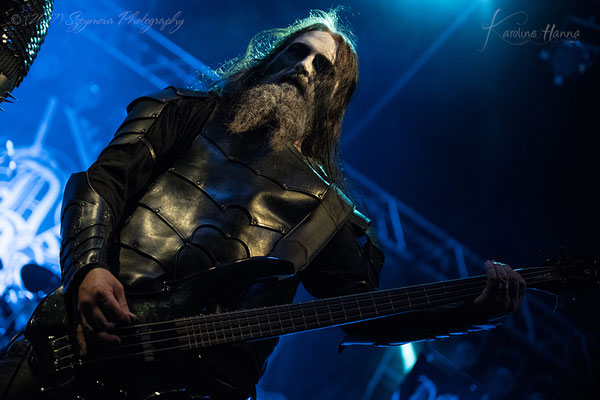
<point x="409" y="357"/>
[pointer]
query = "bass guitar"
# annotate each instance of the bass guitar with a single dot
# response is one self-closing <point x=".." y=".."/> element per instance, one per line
<point x="174" y="319"/>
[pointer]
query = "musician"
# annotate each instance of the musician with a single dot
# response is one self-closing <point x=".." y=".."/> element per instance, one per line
<point x="194" y="180"/>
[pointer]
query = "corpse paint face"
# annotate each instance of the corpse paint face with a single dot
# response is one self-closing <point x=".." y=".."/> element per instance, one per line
<point x="304" y="61"/>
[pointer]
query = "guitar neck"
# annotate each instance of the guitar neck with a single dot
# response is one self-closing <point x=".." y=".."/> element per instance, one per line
<point x="273" y="321"/>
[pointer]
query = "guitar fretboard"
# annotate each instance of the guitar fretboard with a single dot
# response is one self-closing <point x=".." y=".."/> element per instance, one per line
<point x="261" y="323"/>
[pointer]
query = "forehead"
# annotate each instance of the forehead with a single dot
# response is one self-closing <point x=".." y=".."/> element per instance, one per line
<point x="321" y="42"/>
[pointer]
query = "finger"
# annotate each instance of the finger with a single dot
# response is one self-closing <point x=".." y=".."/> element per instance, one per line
<point x="99" y="321"/>
<point x="109" y="338"/>
<point x="522" y="287"/>
<point x="491" y="284"/>
<point x="111" y="308"/>
<point x="87" y="328"/>
<point x="513" y="291"/>
<point x="81" y="340"/>
<point x="490" y="270"/>
<point x="511" y="287"/>
<point x="122" y="300"/>
<point x="502" y="271"/>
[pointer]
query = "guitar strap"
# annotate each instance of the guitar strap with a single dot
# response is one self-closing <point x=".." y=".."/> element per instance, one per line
<point x="310" y="236"/>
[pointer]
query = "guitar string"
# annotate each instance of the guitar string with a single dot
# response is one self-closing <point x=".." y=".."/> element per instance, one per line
<point x="528" y="272"/>
<point x="180" y="346"/>
<point x="368" y="296"/>
<point x="414" y="289"/>
<point x="287" y="316"/>
<point x="341" y="301"/>
<point x="224" y="330"/>
<point x="245" y="313"/>
<point x="203" y="321"/>
<point x="210" y="326"/>
<point x="374" y="296"/>
<point x="186" y="346"/>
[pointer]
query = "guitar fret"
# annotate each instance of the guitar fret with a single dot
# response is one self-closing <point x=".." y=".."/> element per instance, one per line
<point x="279" y="319"/>
<point x="187" y="332"/>
<point x="240" y="328"/>
<point x="358" y="305"/>
<point x="214" y="320"/>
<point x="374" y="303"/>
<point x="407" y="299"/>
<point x="268" y="322"/>
<point x="344" y="310"/>
<point x="213" y="333"/>
<point x="230" y="328"/>
<point x="200" y="333"/>
<point x="223" y="329"/>
<point x="426" y="296"/>
<point x="329" y="311"/>
<point x="291" y="317"/>
<point x="194" y="328"/>
<point x="316" y="313"/>
<point x="190" y="326"/>
<point x="391" y="302"/>
<point x="303" y="317"/>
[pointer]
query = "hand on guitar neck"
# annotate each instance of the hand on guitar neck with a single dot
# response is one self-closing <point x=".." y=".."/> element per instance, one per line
<point x="503" y="292"/>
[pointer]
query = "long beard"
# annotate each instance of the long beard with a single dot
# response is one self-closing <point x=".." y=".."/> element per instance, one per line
<point x="279" y="109"/>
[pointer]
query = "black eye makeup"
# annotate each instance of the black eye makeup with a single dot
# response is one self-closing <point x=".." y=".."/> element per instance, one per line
<point x="297" y="51"/>
<point x="322" y="65"/>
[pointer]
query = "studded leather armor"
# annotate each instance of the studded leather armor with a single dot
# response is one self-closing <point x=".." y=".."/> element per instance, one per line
<point x="227" y="198"/>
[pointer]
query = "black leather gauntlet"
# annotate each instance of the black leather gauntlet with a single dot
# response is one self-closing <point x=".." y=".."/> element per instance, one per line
<point x="86" y="225"/>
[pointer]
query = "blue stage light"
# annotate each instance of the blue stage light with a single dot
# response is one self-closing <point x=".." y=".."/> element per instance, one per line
<point x="409" y="356"/>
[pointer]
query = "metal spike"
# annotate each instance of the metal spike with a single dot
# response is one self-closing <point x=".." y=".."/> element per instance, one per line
<point x="5" y="100"/>
<point x="11" y="96"/>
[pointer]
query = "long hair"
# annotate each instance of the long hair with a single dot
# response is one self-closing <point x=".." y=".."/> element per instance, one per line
<point x="322" y="143"/>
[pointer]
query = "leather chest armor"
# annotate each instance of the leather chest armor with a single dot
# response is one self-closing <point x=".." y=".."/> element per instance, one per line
<point x="227" y="198"/>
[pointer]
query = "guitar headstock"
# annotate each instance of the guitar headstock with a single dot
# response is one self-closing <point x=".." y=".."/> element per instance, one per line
<point x="562" y="274"/>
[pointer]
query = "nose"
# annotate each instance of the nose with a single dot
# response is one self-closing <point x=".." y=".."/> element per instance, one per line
<point x="303" y="67"/>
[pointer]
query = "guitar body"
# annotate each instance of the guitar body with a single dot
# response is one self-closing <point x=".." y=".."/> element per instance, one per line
<point x="51" y="332"/>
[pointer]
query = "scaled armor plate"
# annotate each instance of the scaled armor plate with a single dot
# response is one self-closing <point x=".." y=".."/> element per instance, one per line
<point x="225" y="199"/>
